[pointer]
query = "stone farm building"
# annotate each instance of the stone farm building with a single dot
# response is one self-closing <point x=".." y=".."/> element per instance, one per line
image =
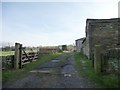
<point x="78" y="43"/>
<point x="104" y="32"/>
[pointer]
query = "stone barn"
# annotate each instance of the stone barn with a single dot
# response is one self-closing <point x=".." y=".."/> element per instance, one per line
<point x="78" y="43"/>
<point x="104" y="32"/>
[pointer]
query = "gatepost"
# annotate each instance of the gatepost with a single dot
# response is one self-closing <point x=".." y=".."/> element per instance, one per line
<point x="97" y="59"/>
<point x="18" y="55"/>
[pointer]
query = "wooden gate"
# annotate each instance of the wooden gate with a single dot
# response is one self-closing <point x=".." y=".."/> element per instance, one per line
<point x="22" y="57"/>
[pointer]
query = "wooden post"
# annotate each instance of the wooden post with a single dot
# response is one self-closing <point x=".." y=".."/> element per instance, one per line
<point x="17" y="56"/>
<point x="97" y="59"/>
<point x="20" y="56"/>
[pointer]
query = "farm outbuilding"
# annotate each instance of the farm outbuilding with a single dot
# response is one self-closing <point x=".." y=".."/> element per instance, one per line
<point x="104" y="32"/>
<point x="78" y="43"/>
<point x="102" y="44"/>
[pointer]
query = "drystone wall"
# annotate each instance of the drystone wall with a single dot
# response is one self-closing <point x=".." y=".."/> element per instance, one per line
<point x="104" y="32"/>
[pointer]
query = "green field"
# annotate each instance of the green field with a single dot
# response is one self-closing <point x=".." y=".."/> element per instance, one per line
<point x="6" y="53"/>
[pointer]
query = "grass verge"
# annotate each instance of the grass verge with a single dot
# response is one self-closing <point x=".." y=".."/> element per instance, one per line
<point x="84" y="67"/>
<point x="10" y="75"/>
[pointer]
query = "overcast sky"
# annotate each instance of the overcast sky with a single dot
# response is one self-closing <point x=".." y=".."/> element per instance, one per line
<point x="51" y="23"/>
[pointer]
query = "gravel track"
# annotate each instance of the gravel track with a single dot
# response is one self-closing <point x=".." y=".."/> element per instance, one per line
<point x="53" y="74"/>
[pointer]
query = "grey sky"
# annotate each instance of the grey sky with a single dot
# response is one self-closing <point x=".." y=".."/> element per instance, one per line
<point x="51" y="23"/>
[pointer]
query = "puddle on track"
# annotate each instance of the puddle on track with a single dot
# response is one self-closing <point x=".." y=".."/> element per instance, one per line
<point x="41" y="71"/>
<point x="55" y="60"/>
<point x="46" y="71"/>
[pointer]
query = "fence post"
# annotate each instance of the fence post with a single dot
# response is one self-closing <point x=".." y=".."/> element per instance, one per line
<point x="20" y="56"/>
<point x="97" y="59"/>
<point x="17" y="56"/>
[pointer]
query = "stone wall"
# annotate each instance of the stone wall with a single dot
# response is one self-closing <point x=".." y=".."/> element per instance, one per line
<point x="104" y="32"/>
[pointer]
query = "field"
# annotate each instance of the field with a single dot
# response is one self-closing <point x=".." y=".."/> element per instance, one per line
<point x="6" y="53"/>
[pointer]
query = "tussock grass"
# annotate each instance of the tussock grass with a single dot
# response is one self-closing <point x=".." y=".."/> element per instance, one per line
<point x="84" y="67"/>
<point x="11" y="75"/>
